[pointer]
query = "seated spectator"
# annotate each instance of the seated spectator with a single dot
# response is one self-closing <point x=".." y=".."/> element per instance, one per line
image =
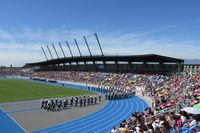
<point x="193" y="122"/>
<point x="183" y="118"/>
<point x="114" y="130"/>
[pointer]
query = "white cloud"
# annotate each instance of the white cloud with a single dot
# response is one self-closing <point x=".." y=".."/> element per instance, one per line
<point x="18" y="58"/>
<point x="24" y="45"/>
<point x="6" y="36"/>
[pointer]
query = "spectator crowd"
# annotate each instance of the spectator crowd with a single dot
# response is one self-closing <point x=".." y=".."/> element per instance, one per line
<point x="15" y="71"/>
<point x="171" y="92"/>
<point x="178" y="90"/>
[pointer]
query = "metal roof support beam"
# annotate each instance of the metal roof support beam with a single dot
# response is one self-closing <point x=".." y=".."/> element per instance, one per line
<point x="44" y="54"/>
<point x="77" y="47"/>
<point x="99" y="44"/>
<point x="69" y="49"/>
<point x="87" y="45"/>
<point x="55" y="50"/>
<point x="49" y="52"/>
<point x="61" y="49"/>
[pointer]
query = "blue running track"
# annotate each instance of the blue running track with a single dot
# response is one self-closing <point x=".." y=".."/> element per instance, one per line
<point x="8" y="125"/>
<point x="100" y="121"/>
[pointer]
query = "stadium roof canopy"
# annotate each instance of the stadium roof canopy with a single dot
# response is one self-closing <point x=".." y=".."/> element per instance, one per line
<point x="122" y="58"/>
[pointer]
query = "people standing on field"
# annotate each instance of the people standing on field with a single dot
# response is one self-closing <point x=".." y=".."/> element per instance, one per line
<point x="59" y="104"/>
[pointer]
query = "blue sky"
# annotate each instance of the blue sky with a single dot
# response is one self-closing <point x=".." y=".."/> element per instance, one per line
<point x="170" y="27"/>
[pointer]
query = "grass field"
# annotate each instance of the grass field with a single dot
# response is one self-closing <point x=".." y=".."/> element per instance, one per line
<point x="19" y="90"/>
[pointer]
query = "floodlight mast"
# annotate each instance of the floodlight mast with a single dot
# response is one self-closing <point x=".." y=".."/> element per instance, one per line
<point x="69" y="48"/>
<point x="87" y="45"/>
<point x="61" y="49"/>
<point x="77" y="47"/>
<point x="99" y="43"/>
<point x="44" y="53"/>
<point x="49" y="52"/>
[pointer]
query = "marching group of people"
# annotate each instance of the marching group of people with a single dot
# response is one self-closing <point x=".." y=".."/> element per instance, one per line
<point x="118" y="95"/>
<point x="61" y="104"/>
<point x="112" y="93"/>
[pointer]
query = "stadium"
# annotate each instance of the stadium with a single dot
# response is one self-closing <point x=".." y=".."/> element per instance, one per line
<point x="100" y="93"/>
<point x="139" y="74"/>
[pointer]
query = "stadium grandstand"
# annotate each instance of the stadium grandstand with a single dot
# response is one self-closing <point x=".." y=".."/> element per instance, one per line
<point x="125" y="64"/>
<point x="146" y="73"/>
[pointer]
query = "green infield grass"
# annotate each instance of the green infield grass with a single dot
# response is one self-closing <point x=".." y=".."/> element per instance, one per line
<point x="19" y="90"/>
